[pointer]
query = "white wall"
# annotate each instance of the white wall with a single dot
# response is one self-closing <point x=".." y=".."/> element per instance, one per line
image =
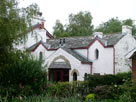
<point x="126" y="44"/>
<point x="75" y="64"/>
<point x="46" y="53"/>
<point x="33" y="37"/>
<point x="104" y="64"/>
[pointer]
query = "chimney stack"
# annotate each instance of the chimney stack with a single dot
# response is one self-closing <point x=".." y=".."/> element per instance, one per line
<point x="126" y="29"/>
<point x="98" y="34"/>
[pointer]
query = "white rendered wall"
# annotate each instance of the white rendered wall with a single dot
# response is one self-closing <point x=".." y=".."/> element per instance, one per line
<point x="33" y="37"/>
<point x="123" y="47"/>
<point x="104" y="64"/>
<point x="75" y="64"/>
<point x="46" y="53"/>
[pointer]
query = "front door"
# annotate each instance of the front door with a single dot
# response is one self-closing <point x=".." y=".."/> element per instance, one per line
<point x="56" y="75"/>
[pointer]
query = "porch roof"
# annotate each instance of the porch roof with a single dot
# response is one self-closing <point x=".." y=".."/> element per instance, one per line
<point x="59" y="65"/>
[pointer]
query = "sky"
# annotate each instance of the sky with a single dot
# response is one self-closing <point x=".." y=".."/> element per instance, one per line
<point x="101" y="10"/>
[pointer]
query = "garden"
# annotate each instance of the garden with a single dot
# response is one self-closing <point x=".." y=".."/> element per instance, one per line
<point x="25" y="80"/>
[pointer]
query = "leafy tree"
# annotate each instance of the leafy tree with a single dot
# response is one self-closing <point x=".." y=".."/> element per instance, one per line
<point x="80" y="24"/>
<point x="14" y="23"/>
<point x="114" y="25"/>
<point x="130" y="22"/>
<point x="59" y="30"/>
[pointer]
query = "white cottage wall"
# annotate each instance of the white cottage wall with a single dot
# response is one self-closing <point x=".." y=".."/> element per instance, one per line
<point x="38" y="34"/>
<point x="126" y="44"/>
<point x="104" y="63"/>
<point x="44" y="51"/>
<point x="75" y="64"/>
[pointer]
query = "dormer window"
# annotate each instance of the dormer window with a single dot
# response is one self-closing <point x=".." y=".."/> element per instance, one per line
<point x="96" y="54"/>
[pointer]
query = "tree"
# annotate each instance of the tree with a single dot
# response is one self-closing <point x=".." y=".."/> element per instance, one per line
<point x="14" y="23"/>
<point x="130" y="22"/>
<point x="59" y="30"/>
<point x="114" y="25"/>
<point x="80" y="24"/>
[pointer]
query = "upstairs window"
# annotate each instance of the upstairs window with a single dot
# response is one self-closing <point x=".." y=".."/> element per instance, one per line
<point x="96" y="54"/>
<point x="40" y="56"/>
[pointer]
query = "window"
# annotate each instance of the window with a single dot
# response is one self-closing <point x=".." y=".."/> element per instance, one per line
<point x="85" y="76"/>
<point x="74" y="76"/>
<point x="96" y="54"/>
<point x="40" y="55"/>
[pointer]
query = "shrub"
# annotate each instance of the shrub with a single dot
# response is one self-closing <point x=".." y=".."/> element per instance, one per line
<point x="103" y="92"/>
<point x="24" y="76"/>
<point x="90" y="98"/>
<point x="99" y="80"/>
<point x="65" y="89"/>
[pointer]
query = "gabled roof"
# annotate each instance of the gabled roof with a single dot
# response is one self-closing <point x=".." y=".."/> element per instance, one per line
<point x="76" y="55"/>
<point x="58" y="65"/>
<point x="84" y="41"/>
<point x="112" y="39"/>
<point x="39" y="26"/>
<point x="80" y="42"/>
<point x="130" y="53"/>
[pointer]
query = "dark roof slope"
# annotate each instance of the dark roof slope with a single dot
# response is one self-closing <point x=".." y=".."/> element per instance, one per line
<point x="76" y="55"/>
<point x="111" y="39"/>
<point x="59" y="65"/>
<point x="71" y="42"/>
<point x="79" y="42"/>
<point x="84" y="41"/>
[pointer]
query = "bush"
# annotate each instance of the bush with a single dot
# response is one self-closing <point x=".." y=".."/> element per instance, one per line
<point x="90" y="98"/>
<point x="65" y="89"/>
<point x="99" y="80"/>
<point x="61" y="89"/>
<point x="24" y="76"/>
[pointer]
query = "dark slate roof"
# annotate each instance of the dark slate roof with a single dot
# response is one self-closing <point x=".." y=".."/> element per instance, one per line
<point x="76" y="55"/>
<point x="80" y="42"/>
<point x="111" y="39"/>
<point x="84" y="41"/>
<point x="62" y="65"/>
<point x="71" y="42"/>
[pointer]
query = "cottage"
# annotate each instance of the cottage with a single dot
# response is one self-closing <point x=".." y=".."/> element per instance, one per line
<point x="71" y="58"/>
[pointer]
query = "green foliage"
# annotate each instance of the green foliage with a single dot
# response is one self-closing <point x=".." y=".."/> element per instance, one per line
<point x="114" y="25"/>
<point x="126" y="97"/>
<point x="14" y="23"/>
<point x="24" y="76"/>
<point x="60" y="89"/>
<point x="129" y="91"/>
<point x="90" y="97"/>
<point x="67" y="89"/>
<point x="96" y="80"/>
<point x="80" y="24"/>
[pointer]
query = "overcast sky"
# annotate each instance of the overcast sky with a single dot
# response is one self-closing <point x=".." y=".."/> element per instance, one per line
<point x="101" y="10"/>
